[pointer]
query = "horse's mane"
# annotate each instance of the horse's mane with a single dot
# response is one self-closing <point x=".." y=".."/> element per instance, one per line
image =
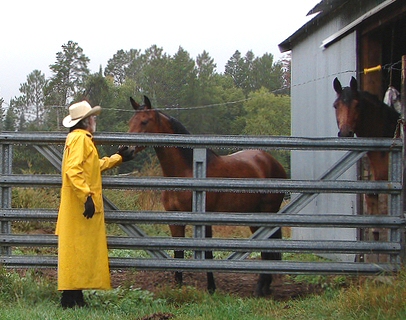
<point x="387" y="113"/>
<point x="179" y="128"/>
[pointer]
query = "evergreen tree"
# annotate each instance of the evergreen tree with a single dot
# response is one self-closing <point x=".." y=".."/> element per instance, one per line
<point x="33" y="95"/>
<point x="154" y="76"/>
<point x="101" y="91"/>
<point x="10" y="119"/>
<point x="69" y="74"/>
<point x="266" y="73"/>
<point x="19" y="107"/>
<point x="199" y="120"/>
<point x="96" y="88"/>
<point x="235" y="68"/>
<point x="124" y="65"/>
<point x="251" y="73"/>
<point x="180" y="79"/>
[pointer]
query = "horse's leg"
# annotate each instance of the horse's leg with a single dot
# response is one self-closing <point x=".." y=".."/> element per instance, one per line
<point x="263" y="286"/>
<point x="211" y="285"/>
<point x="178" y="231"/>
<point x="270" y="203"/>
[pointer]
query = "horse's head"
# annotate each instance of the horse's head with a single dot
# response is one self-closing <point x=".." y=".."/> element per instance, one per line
<point x="143" y="119"/>
<point x="347" y="107"/>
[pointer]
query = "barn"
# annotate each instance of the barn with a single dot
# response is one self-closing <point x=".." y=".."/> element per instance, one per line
<point x="343" y="39"/>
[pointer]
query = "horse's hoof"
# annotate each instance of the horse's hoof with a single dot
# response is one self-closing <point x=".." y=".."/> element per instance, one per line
<point x="211" y="290"/>
<point x="178" y="279"/>
<point x="262" y="292"/>
<point x="266" y="292"/>
<point x="258" y="294"/>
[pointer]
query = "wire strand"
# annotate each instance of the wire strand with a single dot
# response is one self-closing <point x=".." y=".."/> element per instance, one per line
<point x="389" y="66"/>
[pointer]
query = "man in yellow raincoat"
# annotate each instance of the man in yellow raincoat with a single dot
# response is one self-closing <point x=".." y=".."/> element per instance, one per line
<point x="82" y="244"/>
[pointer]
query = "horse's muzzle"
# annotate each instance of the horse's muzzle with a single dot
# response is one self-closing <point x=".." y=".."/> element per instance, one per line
<point x="349" y="134"/>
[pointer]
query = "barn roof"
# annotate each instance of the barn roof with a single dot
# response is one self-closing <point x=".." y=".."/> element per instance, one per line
<point x="326" y="6"/>
<point x="323" y="11"/>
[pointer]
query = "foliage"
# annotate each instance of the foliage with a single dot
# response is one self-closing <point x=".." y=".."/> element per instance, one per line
<point x="30" y="288"/>
<point x="33" y="90"/>
<point x="34" y="198"/>
<point x="268" y="114"/>
<point x="175" y="83"/>
<point x="31" y="198"/>
<point x="251" y="73"/>
<point x="122" y="66"/>
<point x="205" y="101"/>
<point x="70" y="71"/>
<point x="10" y="118"/>
<point x="382" y="296"/>
<point x="26" y="159"/>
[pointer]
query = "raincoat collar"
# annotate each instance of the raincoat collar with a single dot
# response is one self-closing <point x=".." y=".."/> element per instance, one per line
<point x="84" y="132"/>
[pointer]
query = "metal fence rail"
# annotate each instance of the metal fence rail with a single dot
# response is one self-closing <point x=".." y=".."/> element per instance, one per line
<point x="164" y="243"/>
<point x="243" y="266"/>
<point x="236" y="262"/>
<point x="217" y="184"/>
<point x="219" y="218"/>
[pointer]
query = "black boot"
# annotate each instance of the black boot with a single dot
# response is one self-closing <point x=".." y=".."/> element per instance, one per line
<point x="68" y="299"/>
<point x="72" y="298"/>
<point x="80" y="301"/>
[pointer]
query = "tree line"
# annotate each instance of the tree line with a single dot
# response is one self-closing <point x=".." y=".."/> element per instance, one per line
<point x="250" y="97"/>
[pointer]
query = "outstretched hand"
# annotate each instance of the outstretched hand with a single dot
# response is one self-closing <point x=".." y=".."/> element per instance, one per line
<point x="126" y="153"/>
<point x="89" y="208"/>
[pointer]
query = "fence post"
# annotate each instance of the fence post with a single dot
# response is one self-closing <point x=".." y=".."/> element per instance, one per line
<point x="199" y="197"/>
<point x="403" y="114"/>
<point x="6" y="158"/>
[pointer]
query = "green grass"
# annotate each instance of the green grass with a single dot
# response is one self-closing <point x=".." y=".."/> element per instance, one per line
<point x="33" y="296"/>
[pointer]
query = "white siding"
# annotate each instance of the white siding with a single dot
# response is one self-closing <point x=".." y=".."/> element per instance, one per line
<point x="313" y="71"/>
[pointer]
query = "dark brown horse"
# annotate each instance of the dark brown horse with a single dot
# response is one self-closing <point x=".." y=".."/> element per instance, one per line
<point x="178" y="162"/>
<point x="363" y="114"/>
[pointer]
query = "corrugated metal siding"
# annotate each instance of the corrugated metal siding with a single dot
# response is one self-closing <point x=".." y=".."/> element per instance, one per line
<point x="313" y="71"/>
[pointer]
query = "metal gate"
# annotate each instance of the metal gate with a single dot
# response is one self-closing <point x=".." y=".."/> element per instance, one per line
<point x="238" y="260"/>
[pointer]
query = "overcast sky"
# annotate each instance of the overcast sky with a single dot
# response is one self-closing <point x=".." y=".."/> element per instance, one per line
<point x="33" y="31"/>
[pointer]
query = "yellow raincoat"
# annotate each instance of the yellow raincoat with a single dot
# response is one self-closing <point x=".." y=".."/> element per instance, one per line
<point x="82" y="244"/>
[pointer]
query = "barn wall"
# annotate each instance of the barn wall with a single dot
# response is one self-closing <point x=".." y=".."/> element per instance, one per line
<point x="313" y="71"/>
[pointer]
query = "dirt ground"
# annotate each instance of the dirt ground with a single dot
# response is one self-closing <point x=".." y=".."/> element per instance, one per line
<point x="237" y="284"/>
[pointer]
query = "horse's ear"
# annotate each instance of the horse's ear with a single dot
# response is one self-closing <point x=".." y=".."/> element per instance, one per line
<point x="135" y="105"/>
<point x="337" y="86"/>
<point x="353" y="84"/>
<point x="147" y="103"/>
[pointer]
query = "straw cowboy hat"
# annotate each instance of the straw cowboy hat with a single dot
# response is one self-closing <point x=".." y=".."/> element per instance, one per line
<point x="79" y="111"/>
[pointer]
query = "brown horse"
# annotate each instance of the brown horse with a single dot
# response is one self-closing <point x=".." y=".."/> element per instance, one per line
<point x="363" y="114"/>
<point x="178" y="162"/>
